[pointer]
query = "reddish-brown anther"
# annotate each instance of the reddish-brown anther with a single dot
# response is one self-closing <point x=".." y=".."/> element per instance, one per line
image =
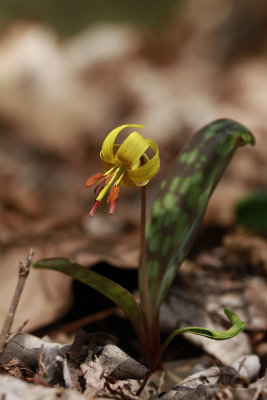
<point x="93" y="179"/>
<point x="113" y="196"/>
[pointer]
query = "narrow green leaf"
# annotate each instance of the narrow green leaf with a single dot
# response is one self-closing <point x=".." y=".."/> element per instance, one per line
<point x="237" y="327"/>
<point x="183" y="196"/>
<point x="105" y="286"/>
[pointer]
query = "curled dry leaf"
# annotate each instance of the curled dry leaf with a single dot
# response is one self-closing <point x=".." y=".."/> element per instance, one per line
<point x="113" y="374"/>
<point x="118" y="364"/>
<point x="208" y="381"/>
<point x="17" y="368"/>
<point x="29" y="348"/>
<point x="108" y="375"/>
<point x="53" y="368"/>
<point x="246" y="368"/>
<point x="86" y="345"/>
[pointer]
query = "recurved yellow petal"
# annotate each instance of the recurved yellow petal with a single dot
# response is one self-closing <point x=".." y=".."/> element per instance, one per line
<point x="141" y="175"/>
<point x="125" y="164"/>
<point x="127" y="182"/>
<point x="107" y="153"/>
<point x="132" y="149"/>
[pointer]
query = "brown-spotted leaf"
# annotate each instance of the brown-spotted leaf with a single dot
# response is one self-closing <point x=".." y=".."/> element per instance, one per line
<point x="183" y="196"/>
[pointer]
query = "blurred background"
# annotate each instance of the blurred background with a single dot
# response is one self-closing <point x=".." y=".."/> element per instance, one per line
<point x="72" y="71"/>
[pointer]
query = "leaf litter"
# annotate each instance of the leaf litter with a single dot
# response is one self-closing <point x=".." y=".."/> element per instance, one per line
<point x="87" y="366"/>
<point x="32" y="207"/>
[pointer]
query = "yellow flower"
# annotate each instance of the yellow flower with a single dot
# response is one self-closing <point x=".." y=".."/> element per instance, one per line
<point x="125" y="164"/>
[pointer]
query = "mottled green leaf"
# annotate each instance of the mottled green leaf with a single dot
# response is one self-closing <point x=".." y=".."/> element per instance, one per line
<point x="237" y="327"/>
<point x="183" y="196"/>
<point x="252" y="211"/>
<point x="107" y="287"/>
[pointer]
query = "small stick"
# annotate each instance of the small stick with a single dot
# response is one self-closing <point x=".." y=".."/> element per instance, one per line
<point x="16" y="332"/>
<point x="24" y="269"/>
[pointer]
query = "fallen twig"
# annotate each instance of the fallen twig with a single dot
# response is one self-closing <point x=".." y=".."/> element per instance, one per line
<point x="16" y="331"/>
<point x="24" y="269"/>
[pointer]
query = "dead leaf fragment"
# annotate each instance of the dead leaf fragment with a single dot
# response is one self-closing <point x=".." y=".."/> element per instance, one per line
<point x="29" y="348"/>
<point x="94" y="377"/>
<point x="204" y="384"/>
<point x="47" y="294"/>
<point x="16" y="389"/>
<point x="118" y="364"/>
<point x="18" y="369"/>
<point x="247" y="247"/>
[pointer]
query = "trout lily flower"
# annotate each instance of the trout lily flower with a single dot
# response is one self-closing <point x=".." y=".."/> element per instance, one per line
<point x="125" y="165"/>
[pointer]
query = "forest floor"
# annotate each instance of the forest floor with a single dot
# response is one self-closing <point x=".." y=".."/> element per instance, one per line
<point x="52" y="124"/>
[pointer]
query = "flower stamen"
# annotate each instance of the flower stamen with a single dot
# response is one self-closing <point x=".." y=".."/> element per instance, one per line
<point x="106" y="188"/>
<point x="93" y="210"/>
<point x="93" y="179"/>
<point x="99" y="183"/>
<point x="114" y="194"/>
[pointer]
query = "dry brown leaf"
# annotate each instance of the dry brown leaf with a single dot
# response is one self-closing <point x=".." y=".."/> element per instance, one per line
<point x="94" y="377"/>
<point x="214" y="380"/>
<point x="247" y="247"/>
<point x="29" y="348"/>
<point x="116" y="363"/>
<point x="13" y="388"/>
<point x="18" y="369"/>
<point x="47" y="294"/>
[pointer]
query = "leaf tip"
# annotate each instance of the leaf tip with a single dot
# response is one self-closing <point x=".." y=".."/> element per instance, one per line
<point x="235" y="320"/>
